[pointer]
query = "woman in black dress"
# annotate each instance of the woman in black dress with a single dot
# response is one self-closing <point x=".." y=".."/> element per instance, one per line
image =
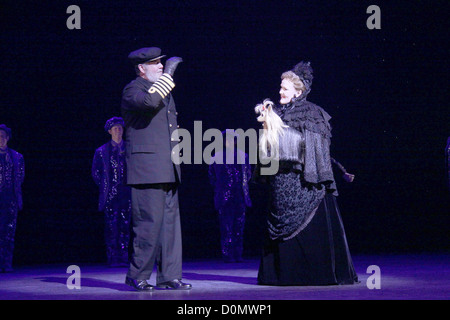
<point x="306" y="242"/>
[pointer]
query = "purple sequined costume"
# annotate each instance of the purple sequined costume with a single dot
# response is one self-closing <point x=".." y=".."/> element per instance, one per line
<point x="108" y="172"/>
<point x="231" y="198"/>
<point x="12" y="173"/>
<point x="447" y="157"/>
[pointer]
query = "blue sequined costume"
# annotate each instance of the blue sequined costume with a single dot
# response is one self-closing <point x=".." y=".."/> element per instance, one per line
<point x="108" y="172"/>
<point x="447" y="157"/>
<point x="12" y="174"/>
<point x="231" y="198"/>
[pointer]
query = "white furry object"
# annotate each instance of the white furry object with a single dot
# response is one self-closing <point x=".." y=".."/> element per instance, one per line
<point x="273" y="129"/>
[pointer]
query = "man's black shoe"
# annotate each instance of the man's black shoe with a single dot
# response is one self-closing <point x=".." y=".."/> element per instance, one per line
<point x="139" y="285"/>
<point x="175" y="285"/>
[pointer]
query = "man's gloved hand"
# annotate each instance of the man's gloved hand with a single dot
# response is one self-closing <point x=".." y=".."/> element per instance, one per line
<point x="171" y="65"/>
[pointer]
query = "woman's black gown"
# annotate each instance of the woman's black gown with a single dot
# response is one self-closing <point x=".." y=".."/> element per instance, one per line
<point x="316" y="253"/>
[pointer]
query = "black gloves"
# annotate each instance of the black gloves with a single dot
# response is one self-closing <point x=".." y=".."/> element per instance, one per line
<point x="171" y="65"/>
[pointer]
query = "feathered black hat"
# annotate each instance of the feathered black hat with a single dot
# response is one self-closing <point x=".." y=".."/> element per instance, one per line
<point x="305" y="72"/>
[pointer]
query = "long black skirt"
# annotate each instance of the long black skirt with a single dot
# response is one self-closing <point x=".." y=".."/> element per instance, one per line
<point x="318" y="255"/>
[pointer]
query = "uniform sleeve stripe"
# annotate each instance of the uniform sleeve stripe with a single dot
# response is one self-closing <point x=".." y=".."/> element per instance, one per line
<point x="153" y="89"/>
<point x="166" y="82"/>
<point x="163" y="86"/>
<point x="168" y="79"/>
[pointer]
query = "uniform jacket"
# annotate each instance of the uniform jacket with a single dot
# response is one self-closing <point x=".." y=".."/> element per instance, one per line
<point x="150" y="121"/>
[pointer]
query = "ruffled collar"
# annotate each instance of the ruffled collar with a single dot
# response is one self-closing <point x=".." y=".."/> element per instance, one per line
<point x="281" y="109"/>
<point x="302" y="114"/>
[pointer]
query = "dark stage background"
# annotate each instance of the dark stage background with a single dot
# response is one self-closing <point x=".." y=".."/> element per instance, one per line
<point x="387" y="91"/>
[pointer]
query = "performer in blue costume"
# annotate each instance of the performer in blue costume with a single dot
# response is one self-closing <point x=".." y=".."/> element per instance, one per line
<point x="231" y="196"/>
<point x="12" y="174"/>
<point x="109" y="173"/>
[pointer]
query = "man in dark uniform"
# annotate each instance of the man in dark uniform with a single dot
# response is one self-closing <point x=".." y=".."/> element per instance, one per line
<point x="150" y="118"/>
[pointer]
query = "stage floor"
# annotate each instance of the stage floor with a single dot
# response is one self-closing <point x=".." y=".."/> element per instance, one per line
<point x="402" y="277"/>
